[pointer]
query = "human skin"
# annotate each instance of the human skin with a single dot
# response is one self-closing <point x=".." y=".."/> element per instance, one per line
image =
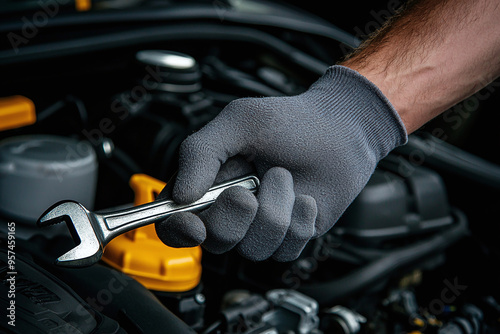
<point x="432" y="55"/>
<point x="314" y="152"/>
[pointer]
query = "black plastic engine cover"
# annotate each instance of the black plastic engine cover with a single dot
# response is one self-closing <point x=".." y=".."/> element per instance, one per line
<point x="41" y="303"/>
<point x="392" y="206"/>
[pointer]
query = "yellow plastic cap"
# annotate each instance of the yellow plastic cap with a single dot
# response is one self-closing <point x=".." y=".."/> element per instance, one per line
<point x="140" y="254"/>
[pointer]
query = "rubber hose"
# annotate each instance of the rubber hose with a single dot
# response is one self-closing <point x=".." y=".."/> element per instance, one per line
<point x="327" y="293"/>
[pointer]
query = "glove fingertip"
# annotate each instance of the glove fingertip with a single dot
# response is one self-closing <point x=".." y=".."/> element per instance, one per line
<point x="183" y="229"/>
<point x="228" y="219"/>
<point x="301" y="229"/>
<point x="305" y="208"/>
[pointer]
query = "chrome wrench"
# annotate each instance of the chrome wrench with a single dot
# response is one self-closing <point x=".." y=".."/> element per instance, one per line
<point x="93" y="231"/>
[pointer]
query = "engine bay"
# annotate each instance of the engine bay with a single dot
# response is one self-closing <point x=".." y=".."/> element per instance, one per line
<point x="112" y="95"/>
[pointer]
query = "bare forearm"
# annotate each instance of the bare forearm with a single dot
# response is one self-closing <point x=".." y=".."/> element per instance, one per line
<point x="432" y="55"/>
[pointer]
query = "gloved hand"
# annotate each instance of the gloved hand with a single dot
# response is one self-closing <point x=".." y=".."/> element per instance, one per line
<point x="313" y="152"/>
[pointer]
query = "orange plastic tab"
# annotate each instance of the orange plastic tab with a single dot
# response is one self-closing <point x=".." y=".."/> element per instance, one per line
<point x="16" y="111"/>
<point x="140" y="254"/>
<point x="83" y="5"/>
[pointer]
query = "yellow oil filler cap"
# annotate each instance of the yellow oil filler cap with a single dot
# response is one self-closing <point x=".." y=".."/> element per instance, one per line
<point x="15" y="112"/>
<point x="140" y="254"/>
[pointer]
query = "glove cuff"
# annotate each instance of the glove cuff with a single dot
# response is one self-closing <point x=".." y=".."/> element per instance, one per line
<point x="343" y="90"/>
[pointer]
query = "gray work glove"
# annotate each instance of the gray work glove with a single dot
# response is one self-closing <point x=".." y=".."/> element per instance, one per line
<point x="313" y="152"/>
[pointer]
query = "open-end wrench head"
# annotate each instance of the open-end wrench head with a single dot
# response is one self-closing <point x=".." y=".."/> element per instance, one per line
<point x="77" y="218"/>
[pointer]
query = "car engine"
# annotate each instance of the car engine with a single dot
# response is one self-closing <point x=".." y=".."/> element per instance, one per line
<point x="94" y="106"/>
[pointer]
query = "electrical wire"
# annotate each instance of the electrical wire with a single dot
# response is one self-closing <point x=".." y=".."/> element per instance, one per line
<point x="80" y="107"/>
<point x="183" y="32"/>
<point x="220" y="72"/>
<point x="50" y="110"/>
<point x="59" y="105"/>
<point x="212" y="327"/>
<point x="449" y="158"/>
<point x="274" y="16"/>
<point x="329" y="292"/>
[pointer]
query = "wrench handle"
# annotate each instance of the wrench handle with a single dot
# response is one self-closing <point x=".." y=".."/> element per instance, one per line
<point x="119" y="222"/>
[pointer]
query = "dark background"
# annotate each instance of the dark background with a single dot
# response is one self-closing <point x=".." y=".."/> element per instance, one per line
<point x="351" y="16"/>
